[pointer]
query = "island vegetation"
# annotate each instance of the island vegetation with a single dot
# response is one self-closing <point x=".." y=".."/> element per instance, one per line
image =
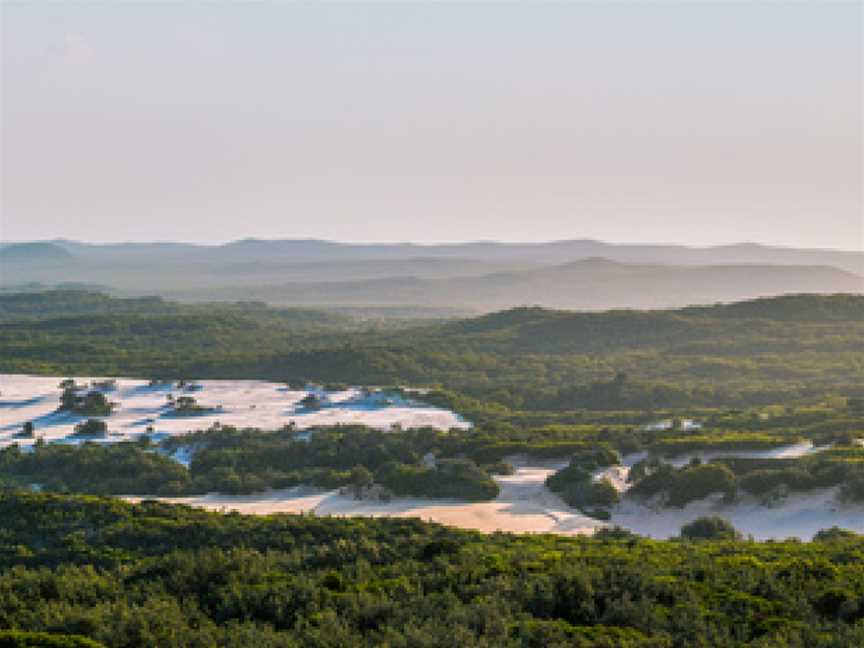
<point x="163" y="575"/>
<point x="589" y="390"/>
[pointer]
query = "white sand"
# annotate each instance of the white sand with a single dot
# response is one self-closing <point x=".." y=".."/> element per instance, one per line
<point x="799" y="516"/>
<point x="244" y="403"/>
<point x="790" y="451"/>
<point x="525" y="505"/>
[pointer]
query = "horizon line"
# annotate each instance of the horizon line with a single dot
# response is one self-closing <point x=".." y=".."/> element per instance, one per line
<point x="431" y="244"/>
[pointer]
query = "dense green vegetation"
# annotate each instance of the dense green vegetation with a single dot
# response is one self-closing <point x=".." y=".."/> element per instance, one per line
<point x="535" y="383"/>
<point x="710" y="528"/>
<point x="782" y="350"/>
<point x="461" y="463"/>
<point x="121" y="469"/>
<point x="78" y="303"/>
<point x="235" y="461"/>
<point x="690" y="483"/>
<point x="154" y="574"/>
<point x="18" y="639"/>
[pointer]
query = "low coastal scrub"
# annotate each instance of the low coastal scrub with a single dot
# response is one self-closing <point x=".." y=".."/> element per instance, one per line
<point x="18" y="639"/>
<point x="187" y="406"/>
<point x="231" y="461"/>
<point x="91" y="428"/>
<point x="721" y="441"/>
<point x="577" y="487"/>
<point x="152" y="574"/>
<point x="765" y="478"/>
<point x="453" y="478"/>
<point x="90" y="403"/>
<point x="678" y="487"/>
<point x="709" y="528"/>
<point x="110" y="469"/>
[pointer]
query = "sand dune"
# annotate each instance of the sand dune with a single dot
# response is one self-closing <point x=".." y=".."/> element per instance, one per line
<point x="525" y="505"/>
<point x="244" y="403"/>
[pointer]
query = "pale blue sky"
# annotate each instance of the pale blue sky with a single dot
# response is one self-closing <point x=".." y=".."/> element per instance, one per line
<point x="698" y="123"/>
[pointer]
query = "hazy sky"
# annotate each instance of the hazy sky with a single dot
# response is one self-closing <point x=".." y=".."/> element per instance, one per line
<point x="683" y="122"/>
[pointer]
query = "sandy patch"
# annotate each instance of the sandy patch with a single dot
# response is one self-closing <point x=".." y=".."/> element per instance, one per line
<point x="242" y="403"/>
<point x="524" y="505"/>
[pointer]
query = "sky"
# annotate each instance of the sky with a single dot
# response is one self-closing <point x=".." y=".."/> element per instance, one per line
<point x="684" y="122"/>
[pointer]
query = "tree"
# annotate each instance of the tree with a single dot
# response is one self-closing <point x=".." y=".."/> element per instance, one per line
<point x="709" y="528"/>
<point x="26" y="431"/>
<point x="834" y="534"/>
<point x="361" y="478"/>
<point x="311" y="402"/>
<point x="90" y="428"/>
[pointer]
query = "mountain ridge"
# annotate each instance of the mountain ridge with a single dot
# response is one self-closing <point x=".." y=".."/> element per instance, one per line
<point x="484" y="276"/>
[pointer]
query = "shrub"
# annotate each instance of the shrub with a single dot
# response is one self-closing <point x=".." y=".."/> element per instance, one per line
<point x="92" y="403"/>
<point x="695" y="483"/>
<point x="709" y="528"/>
<point x="90" y="428"/>
<point x="590" y="494"/>
<point x="853" y="489"/>
<point x="834" y="534"/>
<point x="759" y="482"/>
<point x="19" y="639"/>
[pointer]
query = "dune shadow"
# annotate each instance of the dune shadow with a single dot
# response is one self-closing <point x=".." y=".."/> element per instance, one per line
<point x="150" y="420"/>
<point x="148" y="389"/>
<point x="24" y="403"/>
<point x="49" y="420"/>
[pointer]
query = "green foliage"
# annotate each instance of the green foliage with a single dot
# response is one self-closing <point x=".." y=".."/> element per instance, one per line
<point x="688" y="484"/>
<point x="709" y="528"/>
<point x="90" y="428"/>
<point x="188" y="406"/>
<point x="834" y="534"/>
<point x="577" y="487"/>
<point x="17" y="639"/>
<point x="92" y="403"/>
<point x="450" y="478"/>
<point x="159" y="575"/>
<point x="117" y="469"/>
<point x="753" y="354"/>
<point x="311" y="402"/>
<point x="696" y="482"/>
<point x="27" y="431"/>
<point x="761" y="482"/>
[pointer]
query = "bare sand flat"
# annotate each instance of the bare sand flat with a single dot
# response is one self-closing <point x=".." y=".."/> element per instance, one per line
<point x="243" y="403"/>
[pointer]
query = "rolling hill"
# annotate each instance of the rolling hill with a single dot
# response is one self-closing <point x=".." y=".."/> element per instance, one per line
<point x="469" y="277"/>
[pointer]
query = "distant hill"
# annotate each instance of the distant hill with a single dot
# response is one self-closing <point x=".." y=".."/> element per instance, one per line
<point x="70" y="304"/>
<point x="592" y="284"/>
<point x="468" y="277"/>
<point x="34" y="252"/>
<point x="540" y="330"/>
<point x="547" y="253"/>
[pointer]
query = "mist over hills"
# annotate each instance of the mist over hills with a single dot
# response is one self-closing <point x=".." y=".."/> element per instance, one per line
<point x="468" y="277"/>
<point x="552" y="252"/>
